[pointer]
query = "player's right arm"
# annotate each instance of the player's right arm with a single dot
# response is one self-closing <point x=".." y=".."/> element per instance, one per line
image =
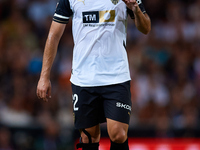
<point x="44" y="84"/>
<point x="60" y="19"/>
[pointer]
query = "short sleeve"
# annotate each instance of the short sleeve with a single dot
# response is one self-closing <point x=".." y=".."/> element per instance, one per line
<point x="63" y="12"/>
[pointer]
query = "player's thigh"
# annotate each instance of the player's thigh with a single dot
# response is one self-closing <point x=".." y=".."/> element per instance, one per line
<point x="117" y="102"/>
<point x="87" y="106"/>
<point x="94" y="133"/>
<point x="117" y="131"/>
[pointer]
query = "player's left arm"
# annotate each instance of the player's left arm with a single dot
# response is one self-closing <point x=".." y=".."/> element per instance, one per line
<point x="141" y="18"/>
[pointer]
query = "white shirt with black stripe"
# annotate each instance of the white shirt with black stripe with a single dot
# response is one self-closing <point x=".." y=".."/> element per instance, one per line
<point x="99" y="33"/>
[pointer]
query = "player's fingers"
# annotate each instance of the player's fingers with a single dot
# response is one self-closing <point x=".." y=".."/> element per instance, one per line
<point x="126" y="1"/>
<point x="44" y="95"/>
<point x="49" y="92"/>
<point x="38" y="93"/>
<point x="133" y="1"/>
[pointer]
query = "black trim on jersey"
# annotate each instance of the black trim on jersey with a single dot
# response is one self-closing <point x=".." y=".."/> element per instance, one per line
<point x="142" y="8"/>
<point x="131" y="14"/>
<point x="63" y="12"/>
<point x="60" y="20"/>
<point x="124" y="44"/>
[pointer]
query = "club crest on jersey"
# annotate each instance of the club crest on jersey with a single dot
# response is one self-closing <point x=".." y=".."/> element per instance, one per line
<point x="114" y="1"/>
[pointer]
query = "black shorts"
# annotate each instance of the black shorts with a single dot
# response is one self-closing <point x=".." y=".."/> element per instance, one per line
<point x="92" y="105"/>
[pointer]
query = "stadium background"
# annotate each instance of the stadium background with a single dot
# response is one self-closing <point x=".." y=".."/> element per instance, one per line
<point x="165" y="70"/>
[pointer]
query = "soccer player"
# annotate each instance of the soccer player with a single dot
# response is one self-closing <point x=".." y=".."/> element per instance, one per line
<point x="100" y="75"/>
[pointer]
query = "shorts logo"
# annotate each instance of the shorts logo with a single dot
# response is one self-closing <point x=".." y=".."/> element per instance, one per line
<point x="99" y="16"/>
<point x="114" y="1"/>
<point x="125" y="106"/>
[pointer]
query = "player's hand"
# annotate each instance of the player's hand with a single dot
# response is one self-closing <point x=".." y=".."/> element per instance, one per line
<point x="132" y="4"/>
<point x="44" y="89"/>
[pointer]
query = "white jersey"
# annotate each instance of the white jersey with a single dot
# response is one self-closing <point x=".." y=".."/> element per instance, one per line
<point x="99" y="33"/>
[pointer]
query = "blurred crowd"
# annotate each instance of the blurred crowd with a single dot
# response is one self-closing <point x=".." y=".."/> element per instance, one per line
<point x="165" y="71"/>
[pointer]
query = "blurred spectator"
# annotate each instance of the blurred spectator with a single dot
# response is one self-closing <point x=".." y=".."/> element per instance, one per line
<point x="5" y="139"/>
<point x="151" y="87"/>
<point x="40" y="10"/>
<point x="52" y="138"/>
<point x="15" y="114"/>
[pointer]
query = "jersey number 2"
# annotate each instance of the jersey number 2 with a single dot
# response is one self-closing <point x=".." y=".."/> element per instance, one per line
<point x="75" y="99"/>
